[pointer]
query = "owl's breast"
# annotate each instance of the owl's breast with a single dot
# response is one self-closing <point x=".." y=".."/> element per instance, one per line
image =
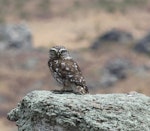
<point x="54" y="68"/>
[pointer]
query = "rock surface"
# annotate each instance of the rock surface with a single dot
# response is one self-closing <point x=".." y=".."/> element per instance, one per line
<point x="46" y="111"/>
<point x="15" y="36"/>
<point x="115" y="35"/>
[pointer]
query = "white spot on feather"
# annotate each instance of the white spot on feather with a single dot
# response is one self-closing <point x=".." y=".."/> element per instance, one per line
<point x="56" y="61"/>
<point x="68" y="58"/>
<point x="67" y="68"/>
<point x="63" y="64"/>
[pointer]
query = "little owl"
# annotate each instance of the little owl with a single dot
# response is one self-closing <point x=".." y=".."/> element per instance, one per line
<point x="66" y="71"/>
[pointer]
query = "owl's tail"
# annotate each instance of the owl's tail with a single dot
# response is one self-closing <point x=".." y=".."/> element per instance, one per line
<point x="83" y="89"/>
<point x="86" y="89"/>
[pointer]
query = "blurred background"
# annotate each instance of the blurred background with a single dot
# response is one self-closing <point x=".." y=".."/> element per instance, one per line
<point x="110" y="40"/>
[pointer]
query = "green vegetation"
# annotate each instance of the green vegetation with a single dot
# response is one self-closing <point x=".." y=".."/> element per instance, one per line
<point x="22" y="8"/>
<point x="25" y="9"/>
<point x="19" y="8"/>
<point x="44" y="6"/>
<point x="121" y="5"/>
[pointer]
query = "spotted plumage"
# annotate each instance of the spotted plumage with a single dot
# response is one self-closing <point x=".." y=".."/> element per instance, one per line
<point x="66" y="71"/>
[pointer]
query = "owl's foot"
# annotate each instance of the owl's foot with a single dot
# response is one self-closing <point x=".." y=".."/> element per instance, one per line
<point x="57" y="91"/>
<point x="70" y="91"/>
<point x="65" y="92"/>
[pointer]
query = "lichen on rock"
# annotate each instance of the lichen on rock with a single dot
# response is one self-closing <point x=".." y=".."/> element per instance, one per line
<point x="47" y="111"/>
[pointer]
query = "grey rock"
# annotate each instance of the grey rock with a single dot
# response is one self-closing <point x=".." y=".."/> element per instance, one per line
<point x="142" y="71"/>
<point x="46" y="111"/>
<point x="143" y="45"/>
<point x="115" y="35"/>
<point x="108" y="80"/>
<point x="117" y="67"/>
<point x="114" y="70"/>
<point x="15" y="37"/>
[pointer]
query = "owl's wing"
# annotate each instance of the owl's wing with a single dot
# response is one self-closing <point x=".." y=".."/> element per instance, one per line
<point x="71" y="71"/>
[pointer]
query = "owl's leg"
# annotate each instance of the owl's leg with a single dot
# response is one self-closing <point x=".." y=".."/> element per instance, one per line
<point x="67" y="86"/>
<point x="70" y="88"/>
<point x="66" y="89"/>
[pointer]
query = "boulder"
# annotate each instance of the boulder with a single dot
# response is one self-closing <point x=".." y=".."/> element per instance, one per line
<point x="47" y="111"/>
<point x="114" y="70"/>
<point x="115" y="35"/>
<point x="15" y="37"/>
<point x="142" y="71"/>
<point x="143" y="45"/>
<point x="108" y="80"/>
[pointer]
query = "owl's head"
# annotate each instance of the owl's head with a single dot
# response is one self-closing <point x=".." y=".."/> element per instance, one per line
<point x="58" y="52"/>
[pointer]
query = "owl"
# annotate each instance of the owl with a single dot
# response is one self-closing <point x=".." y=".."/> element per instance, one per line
<point x="66" y="71"/>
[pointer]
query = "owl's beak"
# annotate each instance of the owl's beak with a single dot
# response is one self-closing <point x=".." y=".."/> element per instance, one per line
<point x="58" y="54"/>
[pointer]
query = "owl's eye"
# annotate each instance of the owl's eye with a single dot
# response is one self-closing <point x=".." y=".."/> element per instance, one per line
<point x="63" y="51"/>
<point x="53" y="52"/>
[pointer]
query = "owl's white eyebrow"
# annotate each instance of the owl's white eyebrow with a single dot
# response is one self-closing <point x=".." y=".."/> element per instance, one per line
<point x="62" y="50"/>
<point x="54" y="49"/>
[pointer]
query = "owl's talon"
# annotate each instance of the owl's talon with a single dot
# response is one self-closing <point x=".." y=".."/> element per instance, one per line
<point x="65" y="92"/>
<point x="71" y="91"/>
<point x="57" y="91"/>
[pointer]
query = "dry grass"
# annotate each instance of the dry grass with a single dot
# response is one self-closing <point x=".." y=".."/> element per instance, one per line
<point x="79" y="30"/>
<point x="7" y="126"/>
